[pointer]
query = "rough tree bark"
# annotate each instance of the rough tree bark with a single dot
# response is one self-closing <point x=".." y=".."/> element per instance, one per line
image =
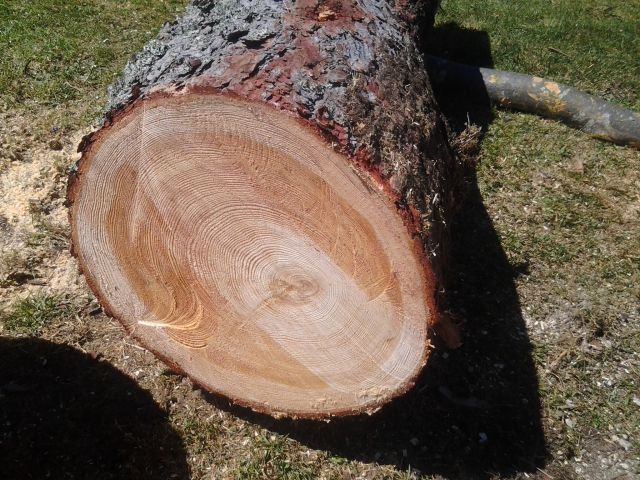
<point x="265" y="205"/>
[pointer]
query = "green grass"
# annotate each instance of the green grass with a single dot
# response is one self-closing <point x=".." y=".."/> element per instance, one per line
<point x="271" y="458"/>
<point x="567" y="206"/>
<point x="594" y="46"/>
<point x="60" y="55"/>
<point x="31" y="315"/>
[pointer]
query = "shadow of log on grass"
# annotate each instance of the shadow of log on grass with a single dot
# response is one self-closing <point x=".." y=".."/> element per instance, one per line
<point x="65" y="415"/>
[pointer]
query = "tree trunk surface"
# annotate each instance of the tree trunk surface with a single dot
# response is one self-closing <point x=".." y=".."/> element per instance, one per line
<point x="265" y="205"/>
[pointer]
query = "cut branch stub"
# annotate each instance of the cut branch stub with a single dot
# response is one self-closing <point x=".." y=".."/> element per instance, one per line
<point x="281" y="270"/>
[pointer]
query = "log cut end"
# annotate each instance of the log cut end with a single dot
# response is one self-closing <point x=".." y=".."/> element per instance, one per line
<point x="236" y="244"/>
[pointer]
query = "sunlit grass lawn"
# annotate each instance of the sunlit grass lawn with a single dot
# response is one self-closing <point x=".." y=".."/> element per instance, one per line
<point x="565" y="204"/>
<point x="568" y="206"/>
<point x="591" y="45"/>
<point x="60" y="55"/>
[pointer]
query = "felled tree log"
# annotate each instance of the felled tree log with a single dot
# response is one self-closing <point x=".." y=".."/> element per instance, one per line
<point x="265" y="205"/>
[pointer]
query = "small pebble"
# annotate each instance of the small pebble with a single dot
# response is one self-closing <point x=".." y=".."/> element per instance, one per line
<point x="622" y="442"/>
